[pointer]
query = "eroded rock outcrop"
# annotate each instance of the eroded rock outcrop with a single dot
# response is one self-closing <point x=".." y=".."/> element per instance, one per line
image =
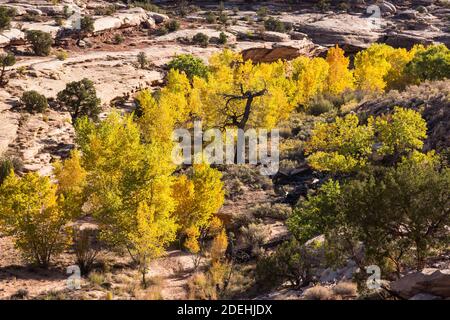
<point x="428" y="281"/>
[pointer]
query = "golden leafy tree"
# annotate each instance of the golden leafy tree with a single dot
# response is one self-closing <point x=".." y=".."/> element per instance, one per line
<point x="31" y="211"/>
<point x="346" y="145"/>
<point x="340" y="78"/>
<point x="130" y="185"/>
<point x="310" y="78"/>
<point x="198" y="201"/>
<point x="149" y="239"/>
<point x="343" y="145"/>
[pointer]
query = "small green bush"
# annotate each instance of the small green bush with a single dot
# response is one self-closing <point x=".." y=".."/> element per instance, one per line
<point x="172" y="25"/>
<point x="274" y="24"/>
<point x="41" y="42"/>
<point x="223" y="38"/>
<point x="201" y="39"/>
<point x="33" y="101"/>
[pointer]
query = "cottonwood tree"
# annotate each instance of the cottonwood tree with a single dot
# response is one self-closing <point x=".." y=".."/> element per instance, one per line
<point x="32" y="212"/>
<point x="345" y="145"/>
<point x="129" y="184"/>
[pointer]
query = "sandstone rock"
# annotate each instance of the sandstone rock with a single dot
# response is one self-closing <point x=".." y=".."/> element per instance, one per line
<point x="158" y="17"/>
<point x="407" y="15"/>
<point x="351" y="32"/>
<point x="272" y="36"/>
<point x="285" y="50"/>
<point x="295" y="35"/>
<point x="106" y="23"/>
<point x="431" y="281"/>
<point x="387" y="7"/>
<point x="48" y="27"/>
<point x="188" y="34"/>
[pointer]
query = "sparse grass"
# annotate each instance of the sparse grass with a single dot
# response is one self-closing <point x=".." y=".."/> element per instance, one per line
<point x="318" y="293"/>
<point x="345" y="289"/>
<point x="96" y="278"/>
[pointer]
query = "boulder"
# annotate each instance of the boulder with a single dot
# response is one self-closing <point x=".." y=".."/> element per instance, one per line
<point x="272" y="36"/>
<point x="12" y="36"/>
<point x="430" y="281"/>
<point x="158" y="17"/>
<point x="106" y="23"/>
<point x="285" y="51"/>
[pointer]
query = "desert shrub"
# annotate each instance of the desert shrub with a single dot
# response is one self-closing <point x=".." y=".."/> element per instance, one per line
<point x="274" y="24"/>
<point x="275" y="211"/>
<point x="118" y="39"/>
<point x="262" y="12"/>
<point x="80" y="99"/>
<point x="163" y="31"/>
<point x="291" y="262"/>
<point x="142" y="60"/>
<point x="6" y="60"/>
<point x="432" y="63"/>
<point x="8" y="165"/>
<point x="105" y="11"/>
<point x="59" y="21"/>
<point x="249" y="176"/>
<point x="62" y="55"/>
<point x="223" y="18"/>
<point x="345" y="289"/>
<point x="87" y="25"/>
<point x="318" y="293"/>
<point x="190" y="65"/>
<point x="323" y="5"/>
<point x="41" y="42"/>
<point x="33" y="101"/>
<point x="223" y="38"/>
<point x="254" y="236"/>
<point x="172" y="25"/>
<point x="319" y="105"/>
<point x="148" y="6"/>
<point x="201" y="39"/>
<point x="96" y="278"/>
<point x="210" y="17"/>
<point x="85" y="247"/>
<point x="6" y="14"/>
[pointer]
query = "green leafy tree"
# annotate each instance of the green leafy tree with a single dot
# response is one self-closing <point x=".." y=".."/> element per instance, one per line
<point x="190" y="65"/>
<point x="80" y="99"/>
<point x="6" y="14"/>
<point x="400" y="214"/>
<point x="6" y="60"/>
<point x="41" y="42"/>
<point x="432" y="63"/>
